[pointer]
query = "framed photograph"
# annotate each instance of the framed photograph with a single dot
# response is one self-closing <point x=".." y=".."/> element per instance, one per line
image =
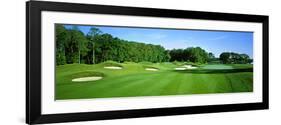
<point x="95" y="62"/>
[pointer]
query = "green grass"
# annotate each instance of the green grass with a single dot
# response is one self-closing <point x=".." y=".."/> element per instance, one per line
<point x="133" y="80"/>
<point x="217" y="66"/>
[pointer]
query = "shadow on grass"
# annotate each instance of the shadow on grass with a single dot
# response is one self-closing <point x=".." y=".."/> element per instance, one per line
<point x="215" y="71"/>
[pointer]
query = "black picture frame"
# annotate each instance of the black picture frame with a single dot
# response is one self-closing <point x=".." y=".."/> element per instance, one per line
<point x="33" y="61"/>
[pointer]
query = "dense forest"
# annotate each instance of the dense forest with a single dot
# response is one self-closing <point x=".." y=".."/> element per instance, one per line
<point x="73" y="46"/>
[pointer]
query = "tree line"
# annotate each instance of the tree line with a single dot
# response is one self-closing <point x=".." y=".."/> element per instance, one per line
<point x="191" y="54"/>
<point x="73" y="46"/>
<point x="234" y="58"/>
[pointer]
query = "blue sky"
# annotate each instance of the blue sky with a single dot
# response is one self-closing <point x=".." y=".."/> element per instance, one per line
<point x="212" y="41"/>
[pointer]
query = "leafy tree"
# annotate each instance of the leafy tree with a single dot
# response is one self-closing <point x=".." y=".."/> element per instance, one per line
<point x="211" y="57"/>
<point x="244" y="58"/>
<point x="225" y="57"/>
<point x="92" y="35"/>
<point x="75" y="45"/>
<point x="61" y="39"/>
<point x="192" y="54"/>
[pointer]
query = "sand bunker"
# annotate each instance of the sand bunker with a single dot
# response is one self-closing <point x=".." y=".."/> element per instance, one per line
<point x="112" y="67"/>
<point x="151" y="69"/>
<point x="190" y="67"/>
<point x="180" y="68"/>
<point x="185" y="67"/>
<point x="84" y="79"/>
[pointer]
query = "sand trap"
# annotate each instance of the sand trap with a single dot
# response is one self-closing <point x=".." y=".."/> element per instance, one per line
<point x="190" y="67"/>
<point x="185" y="67"/>
<point x="180" y="68"/>
<point x="84" y="79"/>
<point x="151" y="69"/>
<point x="112" y="67"/>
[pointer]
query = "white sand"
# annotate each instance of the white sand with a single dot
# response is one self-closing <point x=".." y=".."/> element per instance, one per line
<point x="112" y="67"/>
<point x="182" y="68"/>
<point x="151" y="69"/>
<point x="193" y="67"/>
<point x="190" y="67"/>
<point x="84" y="79"/>
<point x="185" y="67"/>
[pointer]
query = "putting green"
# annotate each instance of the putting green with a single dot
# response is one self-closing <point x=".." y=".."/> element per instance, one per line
<point x="221" y="66"/>
<point x="134" y="80"/>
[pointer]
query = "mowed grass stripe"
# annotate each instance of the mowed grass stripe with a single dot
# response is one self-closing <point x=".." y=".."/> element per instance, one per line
<point x="133" y="87"/>
<point x="239" y="82"/>
<point x="158" y="85"/>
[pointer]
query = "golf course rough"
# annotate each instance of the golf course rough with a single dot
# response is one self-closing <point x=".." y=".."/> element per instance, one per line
<point x="135" y="80"/>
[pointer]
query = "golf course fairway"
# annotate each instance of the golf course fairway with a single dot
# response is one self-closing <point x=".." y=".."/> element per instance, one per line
<point x="132" y="80"/>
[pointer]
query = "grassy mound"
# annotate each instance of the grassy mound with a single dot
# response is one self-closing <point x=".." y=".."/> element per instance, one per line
<point x="178" y="63"/>
<point x="146" y="63"/>
<point x="126" y="62"/>
<point x="112" y="63"/>
<point x="186" y="63"/>
<point x="150" y="67"/>
<point x="192" y="64"/>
